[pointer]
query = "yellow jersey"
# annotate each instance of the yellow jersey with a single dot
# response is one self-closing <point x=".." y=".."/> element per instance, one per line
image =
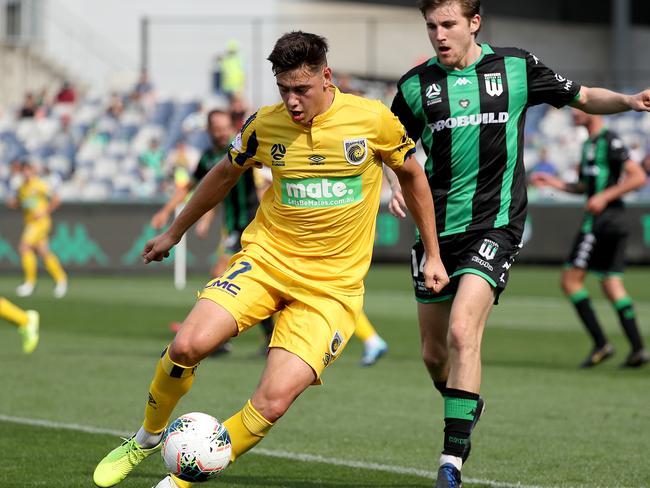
<point x="34" y="198"/>
<point x="317" y="221"/>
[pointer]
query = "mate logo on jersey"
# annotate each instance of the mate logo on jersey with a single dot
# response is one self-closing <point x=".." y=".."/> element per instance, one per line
<point x="493" y="84"/>
<point x="321" y="192"/>
<point x="356" y="150"/>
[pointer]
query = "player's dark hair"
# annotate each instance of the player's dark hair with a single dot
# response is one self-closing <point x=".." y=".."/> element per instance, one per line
<point x="296" y="49"/>
<point x="216" y="111"/>
<point x="470" y="8"/>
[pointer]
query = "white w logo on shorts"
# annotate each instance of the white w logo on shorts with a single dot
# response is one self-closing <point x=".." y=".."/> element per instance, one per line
<point x="488" y="249"/>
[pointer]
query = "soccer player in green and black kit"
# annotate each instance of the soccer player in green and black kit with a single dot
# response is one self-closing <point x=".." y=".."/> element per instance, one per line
<point x="467" y="105"/>
<point x="239" y="205"/>
<point x="600" y="244"/>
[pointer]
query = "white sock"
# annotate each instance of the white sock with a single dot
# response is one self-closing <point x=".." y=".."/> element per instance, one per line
<point x="447" y="459"/>
<point x="147" y="439"/>
<point x="373" y="341"/>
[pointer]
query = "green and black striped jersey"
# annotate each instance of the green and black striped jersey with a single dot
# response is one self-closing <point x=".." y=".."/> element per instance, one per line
<point x="601" y="166"/>
<point x="241" y="202"/>
<point x="471" y="124"/>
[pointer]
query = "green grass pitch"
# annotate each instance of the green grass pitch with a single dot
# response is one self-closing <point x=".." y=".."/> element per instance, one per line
<point x="547" y="423"/>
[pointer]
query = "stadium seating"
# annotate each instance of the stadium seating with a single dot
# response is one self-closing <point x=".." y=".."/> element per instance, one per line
<point x="95" y="153"/>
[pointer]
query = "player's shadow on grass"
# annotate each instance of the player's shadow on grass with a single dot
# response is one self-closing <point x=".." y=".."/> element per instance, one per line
<point x="277" y="482"/>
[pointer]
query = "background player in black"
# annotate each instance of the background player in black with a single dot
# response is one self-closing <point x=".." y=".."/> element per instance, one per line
<point x="600" y="244"/>
<point x="467" y="106"/>
<point x="239" y="205"/>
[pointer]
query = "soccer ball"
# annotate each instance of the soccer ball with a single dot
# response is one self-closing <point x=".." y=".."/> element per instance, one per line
<point x="196" y="447"/>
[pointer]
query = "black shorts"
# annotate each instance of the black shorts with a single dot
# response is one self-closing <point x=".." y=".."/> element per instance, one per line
<point x="487" y="253"/>
<point x="600" y="252"/>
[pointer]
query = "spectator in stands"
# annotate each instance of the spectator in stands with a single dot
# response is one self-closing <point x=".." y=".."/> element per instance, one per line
<point x="181" y="162"/>
<point x="232" y="70"/>
<point x="143" y="87"/>
<point x="544" y="164"/>
<point x="66" y="141"/>
<point x="43" y="101"/>
<point x="29" y="108"/>
<point x="215" y="80"/>
<point x="195" y="121"/>
<point x="152" y="158"/>
<point x="238" y="111"/>
<point x="67" y="93"/>
<point x="115" y="106"/>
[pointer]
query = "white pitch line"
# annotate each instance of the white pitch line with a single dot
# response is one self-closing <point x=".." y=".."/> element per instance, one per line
<point x="277" y="454"/>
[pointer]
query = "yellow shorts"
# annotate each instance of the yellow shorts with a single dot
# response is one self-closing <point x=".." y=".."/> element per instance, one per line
<point x="36" y="232"/>
<point x="311" y="324"/>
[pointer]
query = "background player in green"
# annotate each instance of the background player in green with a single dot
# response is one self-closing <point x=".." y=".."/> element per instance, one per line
<point x="467" y="105"/>
<point x="239" y="205"/>
<point x="600" y="244"/>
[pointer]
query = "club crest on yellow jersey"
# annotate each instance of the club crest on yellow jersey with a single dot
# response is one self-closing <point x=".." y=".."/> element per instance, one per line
<point x="336" y="343"/>
<point x="356" y="150"/>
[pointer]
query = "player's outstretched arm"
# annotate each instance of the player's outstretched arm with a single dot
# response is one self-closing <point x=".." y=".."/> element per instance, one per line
<point x="211" y="191"/>
<point x="160" y="218"/>
<point x="595" y="100"/>
<point x="419" y="201"/>
<point x="541" y="180"/>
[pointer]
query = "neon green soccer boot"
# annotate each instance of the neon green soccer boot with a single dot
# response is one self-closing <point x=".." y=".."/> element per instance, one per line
<point x="30" y="332"/>
<point x="120" y="462"/>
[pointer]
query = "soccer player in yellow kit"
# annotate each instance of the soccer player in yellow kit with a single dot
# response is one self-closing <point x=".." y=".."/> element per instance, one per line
<point x="304" y="255"/>
<point x="26" y="320"/>
<point x="35" y="198"/>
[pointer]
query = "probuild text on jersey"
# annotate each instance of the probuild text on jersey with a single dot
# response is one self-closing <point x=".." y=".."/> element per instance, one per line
<point x="474" y="119"/>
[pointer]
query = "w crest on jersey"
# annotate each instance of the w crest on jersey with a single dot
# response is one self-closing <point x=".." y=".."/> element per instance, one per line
<point x="493" y="84"/>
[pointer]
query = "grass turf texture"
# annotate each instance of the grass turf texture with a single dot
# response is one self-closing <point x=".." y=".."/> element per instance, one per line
<point x="547" y="423"/>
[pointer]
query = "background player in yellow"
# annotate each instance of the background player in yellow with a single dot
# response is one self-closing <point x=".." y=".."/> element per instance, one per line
<point x="304" y="255"/>
<point x="38" y="202"/>
<point x="26" y="320"/>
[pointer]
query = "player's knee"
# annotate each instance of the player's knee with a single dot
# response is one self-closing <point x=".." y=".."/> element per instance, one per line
<point x="462" y="338"/>
<point x="434" y="357"/>
<point x="184" y="351"/>
<point x="613" y="288"/>
<point x="271" y="405"/>
<point x="570" y="284"/>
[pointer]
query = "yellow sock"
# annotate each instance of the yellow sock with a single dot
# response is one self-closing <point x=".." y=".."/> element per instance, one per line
<point x="12" y="313"/>
<point x="364" y="329"/>
<point x="246" y="428"/>
<point x="53" y="266"/>
<point x="170" y="382"/>
<point x="180" y="483"/>
<point x="29" y="266"/>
